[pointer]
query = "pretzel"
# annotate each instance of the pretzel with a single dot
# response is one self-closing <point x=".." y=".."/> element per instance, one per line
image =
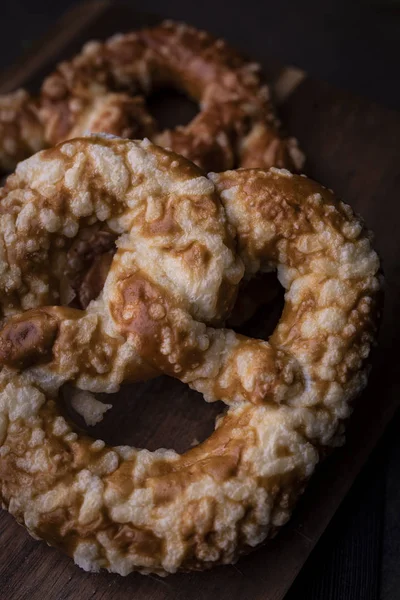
<point x="236" y="125"/>
<point x="171" y="284"/>
<point x="21" y="132"/>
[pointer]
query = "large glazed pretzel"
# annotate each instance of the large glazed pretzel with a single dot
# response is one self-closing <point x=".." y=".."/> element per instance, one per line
<point x="171" y="282"/>
<point x="103" y="89"/>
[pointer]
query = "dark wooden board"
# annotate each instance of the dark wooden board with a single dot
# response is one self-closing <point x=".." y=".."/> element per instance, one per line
<point x="352" y="146"/>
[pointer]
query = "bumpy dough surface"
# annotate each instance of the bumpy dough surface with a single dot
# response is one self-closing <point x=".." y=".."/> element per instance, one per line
<point x="21" y="132"/>
<point x="171" y="283"/>
<point x="97" y="91"/>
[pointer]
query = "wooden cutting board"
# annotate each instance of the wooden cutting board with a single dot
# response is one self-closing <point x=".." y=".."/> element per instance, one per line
<point x="352" y="146"/>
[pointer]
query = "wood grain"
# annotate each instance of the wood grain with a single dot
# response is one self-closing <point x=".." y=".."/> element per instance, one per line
<point x="352" y="146"/>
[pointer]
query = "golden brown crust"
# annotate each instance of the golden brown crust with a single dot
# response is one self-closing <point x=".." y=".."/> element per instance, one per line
<point x="28" y="339"/>
<point x="21" y="131"/>
<point x="102" y="89"/>
<point x="172" y="281"/>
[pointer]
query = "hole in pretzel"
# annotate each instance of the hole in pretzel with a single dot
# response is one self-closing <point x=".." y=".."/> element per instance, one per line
<point x="258" y="307"/>
<point x="142" y="417"/>
<point x="171" y="107"/>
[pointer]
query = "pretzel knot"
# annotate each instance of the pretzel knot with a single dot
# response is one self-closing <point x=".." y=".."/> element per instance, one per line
<point x="184" y="241"/>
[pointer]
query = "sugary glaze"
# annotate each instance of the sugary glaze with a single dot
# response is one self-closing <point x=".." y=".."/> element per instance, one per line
<point x="97" y="91"/>
<point x="171" y="282"/>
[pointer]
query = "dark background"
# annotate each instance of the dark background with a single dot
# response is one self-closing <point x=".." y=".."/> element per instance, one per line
<point x="354" y="45"/>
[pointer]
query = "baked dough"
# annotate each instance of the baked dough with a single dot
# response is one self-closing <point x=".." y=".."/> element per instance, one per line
<point x="102" y="89"/>
<point x="171" y="284"/>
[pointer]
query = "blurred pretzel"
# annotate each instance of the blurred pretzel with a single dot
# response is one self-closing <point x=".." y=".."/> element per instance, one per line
<point x="103" y="88"/>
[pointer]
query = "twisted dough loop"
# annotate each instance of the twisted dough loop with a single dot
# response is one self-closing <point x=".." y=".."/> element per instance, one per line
<point x="172" y="280"/>
<point x="236" y="125"/>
